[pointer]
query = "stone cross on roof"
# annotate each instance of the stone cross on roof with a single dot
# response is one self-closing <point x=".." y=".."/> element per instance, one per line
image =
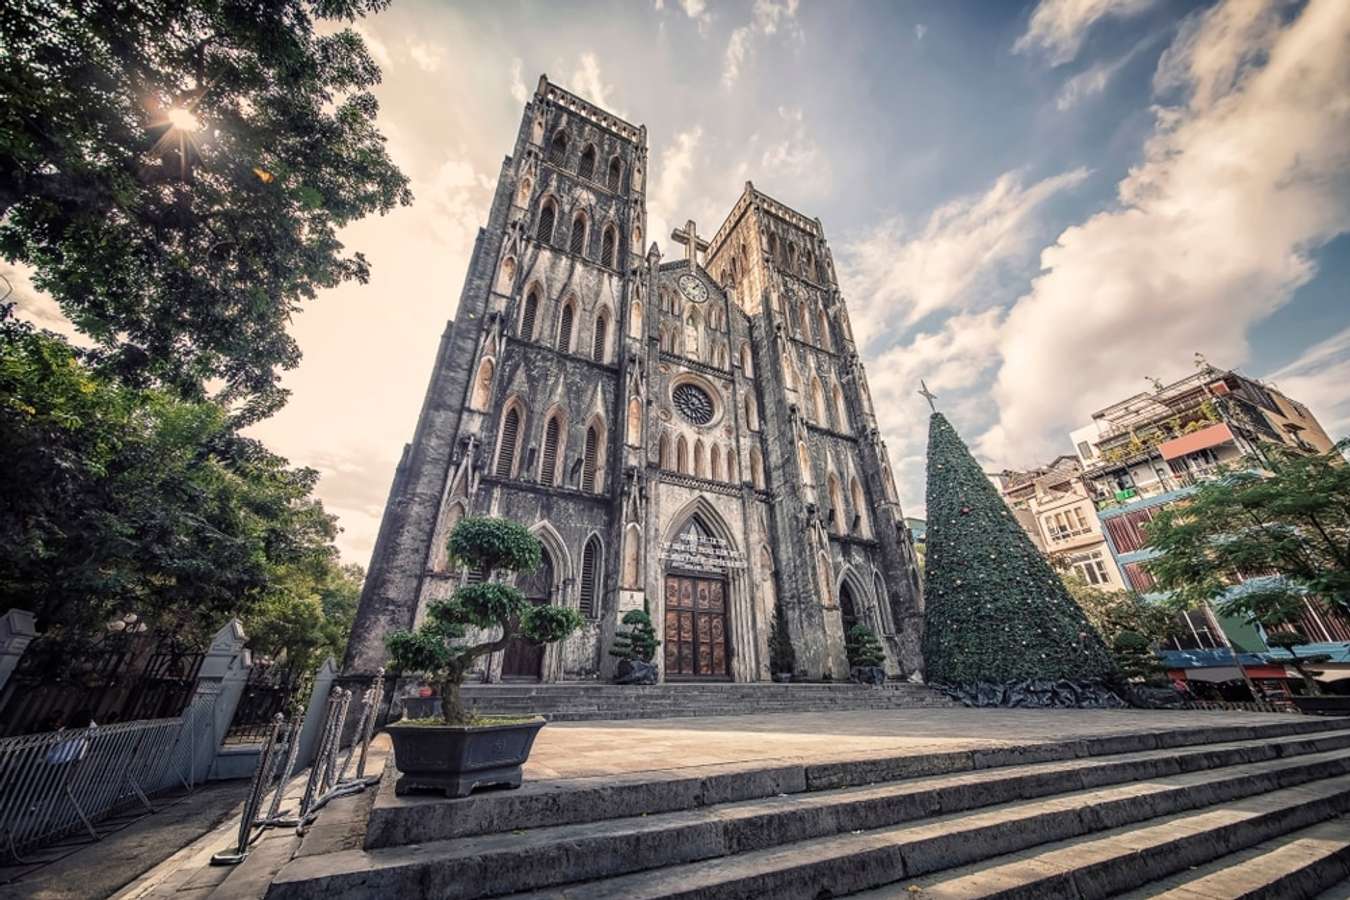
<point x="927" y="395"/>
<point x="693" y="244"/>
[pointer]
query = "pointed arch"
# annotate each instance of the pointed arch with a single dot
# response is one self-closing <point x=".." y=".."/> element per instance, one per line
<point x="553" y="450"/>
<point x="529" y="314"/>
<point x="586" y="165"/>
<point x="576" y="238"/>
<point x="608" y="243"/>
<point x="682" y="455"/>
<point x="747" y="360"/>
<point x="700" y="510"/>
<point x="634" y="428"/>
<point x="804" y="461"/>
<point x="441" y="561"/>
<point x="637" y="239"/>
<point x="631" y="574"/>
<point x="756" y="468"/>
<point x="510" y="433"/>
<point x="593" y="457"/>
<point x="862" y="523"/>
<point x="751" y="412"/>
<point x="600" y="336"/>
<point x="841" y="410"/>
<point x="731" y="466"/>
<point x="700" y="471"/>
<point x="559" y="557"/>
<point x="838" y="514"/>
<point x="883" y="602"/>
<point x="557" y="148"/>
<point x="635" y="319"/>
<point x="592" y="565"/>
<point x="715" y="463"/>
<point x="824" y="330"/>
<point x="615" y="179"/>
<point x="818" y="401"/>
<point x="566" y="319"/>
<point x="481" y="394"/>
<point x="804" y="322"/>
<point x="663" y="459"/>
<point x="548" y="215"/>
<point x="523" y="192"/>
<point x="506" y="277"/>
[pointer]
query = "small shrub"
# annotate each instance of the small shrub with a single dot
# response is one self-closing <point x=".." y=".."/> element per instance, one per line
<point x="863" y="647"/>
<point x="639" y="641"/>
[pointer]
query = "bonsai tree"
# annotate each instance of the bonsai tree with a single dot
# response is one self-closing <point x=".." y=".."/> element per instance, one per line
<point x="995" y="611"/>
<point x="782" y="658"/>
<point x="1288" y="640"/>
<point x="444" y="647"/>
<point x="1135" y="657"/>
<point x="639" y="641"/>
<point x="863" y="648"/>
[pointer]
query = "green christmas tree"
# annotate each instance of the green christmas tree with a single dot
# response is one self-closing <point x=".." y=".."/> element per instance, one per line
<point x="994" y="610"/>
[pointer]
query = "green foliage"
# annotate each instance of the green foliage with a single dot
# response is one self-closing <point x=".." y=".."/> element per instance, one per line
<point x="1295" y="522"/>
<point x="494" y="544"/>
<point x="115" y="500"/>
<point x="1135" y="657"/>
<point x="444" y="647"/>
<point x="1112" y="612"/>
<point x="184" y="254"/>
<point x="638" y="641"/>
<point x="782" y="656"/>
<point x="995" y="611"/>
<point x="863" y="647"/>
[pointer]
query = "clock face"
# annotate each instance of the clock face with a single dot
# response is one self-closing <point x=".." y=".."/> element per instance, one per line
<point x="693" y="288"/>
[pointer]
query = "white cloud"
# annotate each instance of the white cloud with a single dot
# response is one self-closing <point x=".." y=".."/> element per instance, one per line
<point x="797" y="157"/>
<point x="379" y="51"/>
<point x="1085" y="84"/>
<point x="429" y="57"/>
<point x="519" y="92"/>
<point x="920" y="31"/>
<point x="1237" y="186"/>
<point x="767" y="17"/>
<point x="672" y="174"/>
<point x="589" y="83"/>
<point x="1318" y="379"/>
<point x="1058" y="27"/>
<point x="893" y="276"/>
<point x="698" y="11"/>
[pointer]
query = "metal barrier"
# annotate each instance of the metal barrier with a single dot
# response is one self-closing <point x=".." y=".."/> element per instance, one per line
<point x="62" y="782"/>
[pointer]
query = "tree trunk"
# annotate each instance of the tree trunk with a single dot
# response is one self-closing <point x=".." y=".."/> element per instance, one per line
<point x="452" y="710"/>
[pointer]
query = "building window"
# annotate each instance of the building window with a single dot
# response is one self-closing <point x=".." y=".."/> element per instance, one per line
<point x="586" y="168"/>
<point x="576" y="242"/>
<point x="588" y="601"/>
<point x="615" y="174"/>
<point x="565" y="327"/>
<point x="607" y="245"/>
<point x="1090" y="567"/>
<point x="590" y="460"/>
<point x="543" y="232"/>
<point x="1127" y="530"/>
<point x="506" y="449"/>
<point x="548" y="466"/>
<point x="557" y="151"/>
<point x="528" y="314"/>
<point x="600" y="336"/>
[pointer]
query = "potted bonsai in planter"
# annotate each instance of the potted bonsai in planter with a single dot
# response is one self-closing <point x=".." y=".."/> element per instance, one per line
<point x="634" y="649"/>
<point x="462" y="750"/>
<point x="782" y="658"/>
<point x="865" y="656"/>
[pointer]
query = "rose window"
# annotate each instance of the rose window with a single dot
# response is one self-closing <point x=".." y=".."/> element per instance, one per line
<point x="693" y="403"/>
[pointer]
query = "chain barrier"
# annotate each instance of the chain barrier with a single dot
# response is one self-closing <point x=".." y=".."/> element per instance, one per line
<point x="257" y="788"/>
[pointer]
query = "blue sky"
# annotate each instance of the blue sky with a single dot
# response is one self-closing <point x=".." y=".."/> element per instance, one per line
<point x="1035" y="206"/>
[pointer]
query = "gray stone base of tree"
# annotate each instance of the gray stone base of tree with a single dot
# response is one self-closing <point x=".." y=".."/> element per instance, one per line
<point x="634" y="671"/>
<point x="1145" y="696"/>
<point x="1036" y="693"/>
<point x="867" y="675"/>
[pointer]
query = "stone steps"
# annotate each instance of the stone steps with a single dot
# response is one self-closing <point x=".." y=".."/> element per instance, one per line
<point x="583" y="702"/>
<point x="793" y="830"/>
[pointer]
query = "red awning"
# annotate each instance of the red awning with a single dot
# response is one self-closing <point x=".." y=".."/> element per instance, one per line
<point x="1212" y="436"/>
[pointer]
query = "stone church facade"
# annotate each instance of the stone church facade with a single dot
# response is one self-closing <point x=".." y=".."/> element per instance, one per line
<point x="694" y="436"/>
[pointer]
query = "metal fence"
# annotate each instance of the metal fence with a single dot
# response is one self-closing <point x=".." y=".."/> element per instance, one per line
<point x="65" y="782"/>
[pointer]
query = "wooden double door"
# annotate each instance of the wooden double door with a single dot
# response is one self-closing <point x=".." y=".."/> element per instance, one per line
<point x="696" y="633"/>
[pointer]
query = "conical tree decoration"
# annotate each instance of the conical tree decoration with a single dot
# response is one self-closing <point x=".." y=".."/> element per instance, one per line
<point x="994" y="610"/>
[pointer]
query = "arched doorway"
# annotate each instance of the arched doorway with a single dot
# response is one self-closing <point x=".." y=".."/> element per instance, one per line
<point x="523" y="660"/>
<point x="848" y="608"/>
<point x="697" y="633"/>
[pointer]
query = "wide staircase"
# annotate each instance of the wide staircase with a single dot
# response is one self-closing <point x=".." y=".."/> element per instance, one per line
<point x="575" y="702"/>
<point x="1205" y="811"/>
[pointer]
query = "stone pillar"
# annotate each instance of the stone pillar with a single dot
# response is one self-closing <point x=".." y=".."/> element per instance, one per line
<point x="318" y="703"/>
<point x="220" y="684"/>
<point x="17" y="630"/>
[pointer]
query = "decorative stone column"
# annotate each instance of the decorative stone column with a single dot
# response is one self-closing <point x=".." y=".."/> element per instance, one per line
<point x="220" y="685"/>
<point x="314" y="712"/>
<point x="17" y="630"/>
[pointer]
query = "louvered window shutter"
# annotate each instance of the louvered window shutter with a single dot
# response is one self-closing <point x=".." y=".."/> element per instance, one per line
<point x="588" y="466"/>
<point x="547" y="473"/>
<point x="565" y="329"/>
<point x="577" y="244"/>
<point x="527" y="317"/>
<point x="506" y="456"/>
<point x="589" y="561"/>
<point x="598" y="345"/>
<point x="607" y="248"/>
<point x="544" y="232"/>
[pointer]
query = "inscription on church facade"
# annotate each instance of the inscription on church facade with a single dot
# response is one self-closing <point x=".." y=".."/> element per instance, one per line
<point x="702" y="554"/>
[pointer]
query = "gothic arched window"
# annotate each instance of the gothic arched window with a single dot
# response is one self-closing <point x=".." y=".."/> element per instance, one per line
<point x="715" y="463"/>
<point x="817" y="401"/>
<point x="663" y="451"/>
<point x="482" y="386"/>
<point x="615" y="174"/>
<point x="508" y="443"/>
<point x="824" y="329"/>
<point x="548" y="463"/>
<point x="588" y="600"/>
<point x="576" y="242"/>
<point x="600" y="336"/>
<point x="635" y="319"/>
<point x="528" y="313"/>
<point x="548" y="211"/>
<point x="837" y="512"/>
<point x="756" y="468"/>
<point x="607" y="245"/>
<point x="586" y="167"/>
<point x="565" y="320"/>
<point x="699" y="469"/>
<point x="557" y="151"/>
<point x="747" y="362"/>
<point x="590" y="460"/>
<point x="861" y="525"/>
<point x="682" y="456"/>
<point x="840" y="410"/>
<point x="731" y="466"/>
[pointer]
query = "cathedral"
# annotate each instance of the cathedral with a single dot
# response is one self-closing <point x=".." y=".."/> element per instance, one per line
<point x="691" y="436"/>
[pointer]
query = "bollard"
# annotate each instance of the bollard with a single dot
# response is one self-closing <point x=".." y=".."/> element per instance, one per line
<point x="378" y="688"/>
<point x="275" y="815"/>
<point x="312" y="785"/>
<point x="258" y="787"/>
